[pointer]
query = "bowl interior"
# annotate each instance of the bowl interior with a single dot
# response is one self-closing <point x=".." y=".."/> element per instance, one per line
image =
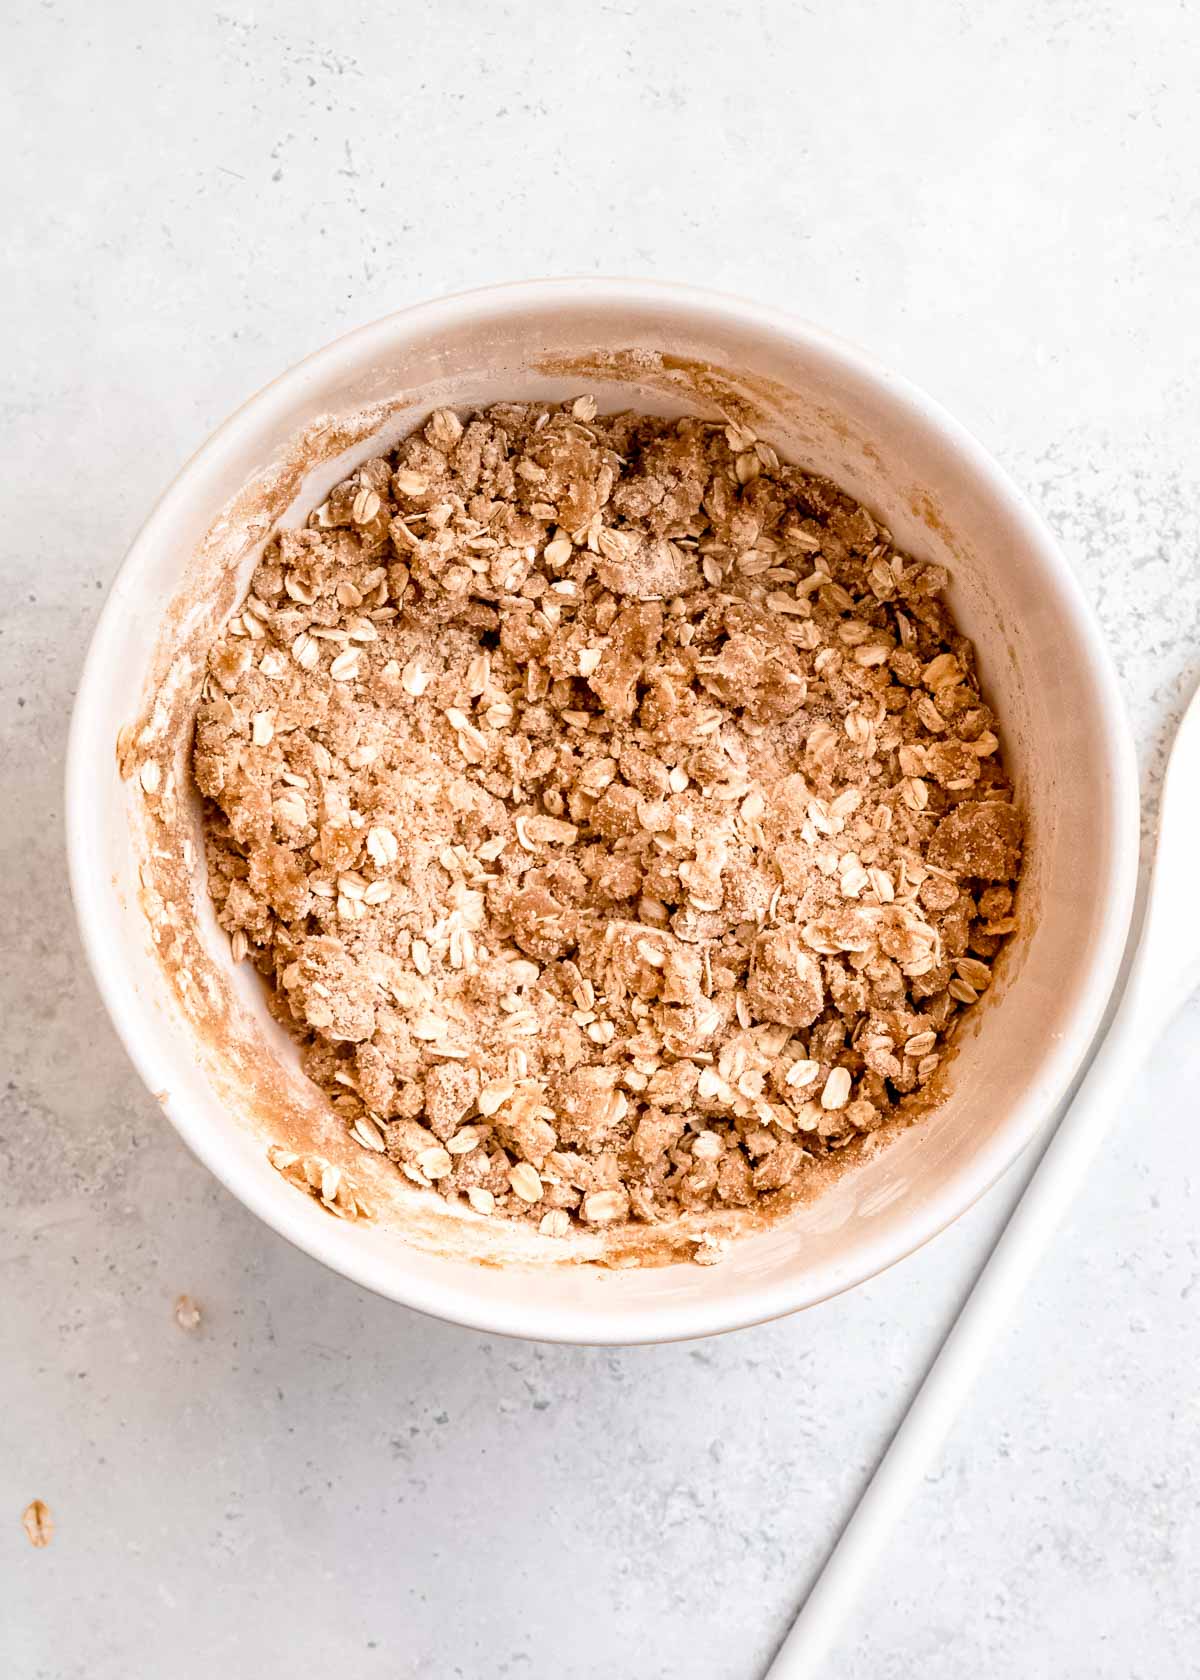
<point x="198" y="1029"/>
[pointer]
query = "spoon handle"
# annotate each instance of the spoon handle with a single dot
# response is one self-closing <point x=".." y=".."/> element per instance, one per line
<point x="984" y="1314"/>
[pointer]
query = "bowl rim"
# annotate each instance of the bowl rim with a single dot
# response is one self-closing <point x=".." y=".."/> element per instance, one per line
<point x="89" y="756"/>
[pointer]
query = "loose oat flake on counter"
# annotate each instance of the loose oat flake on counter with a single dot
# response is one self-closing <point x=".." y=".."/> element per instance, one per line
<point x="611" y="810"/>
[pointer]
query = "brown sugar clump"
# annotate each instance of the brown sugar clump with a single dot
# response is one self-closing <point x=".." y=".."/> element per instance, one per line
<point x="981" y="839"/>
<point x="784" y="983"/>
<point x="613" y="812"/>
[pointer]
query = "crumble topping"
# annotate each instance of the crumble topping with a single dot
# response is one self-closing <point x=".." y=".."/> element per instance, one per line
<point x="611" y="810"/>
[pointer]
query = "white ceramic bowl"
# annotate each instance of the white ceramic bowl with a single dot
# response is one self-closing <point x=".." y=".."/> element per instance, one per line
<point x="824" y="405"/>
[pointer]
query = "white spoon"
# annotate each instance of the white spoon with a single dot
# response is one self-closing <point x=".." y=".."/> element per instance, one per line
<point x="1164" y="969"/>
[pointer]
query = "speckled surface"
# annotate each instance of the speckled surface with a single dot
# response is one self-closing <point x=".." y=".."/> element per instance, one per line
<point x="1001" y="203"/>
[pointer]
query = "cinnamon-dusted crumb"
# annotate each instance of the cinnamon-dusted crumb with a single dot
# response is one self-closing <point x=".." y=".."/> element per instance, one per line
<point x="187" y="1313"/>
<point x="612" y="811"/>
<point x="38" y="1523"/>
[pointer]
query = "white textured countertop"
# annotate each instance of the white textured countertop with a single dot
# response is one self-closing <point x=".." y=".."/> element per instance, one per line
<point x="1001" y="202"/>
